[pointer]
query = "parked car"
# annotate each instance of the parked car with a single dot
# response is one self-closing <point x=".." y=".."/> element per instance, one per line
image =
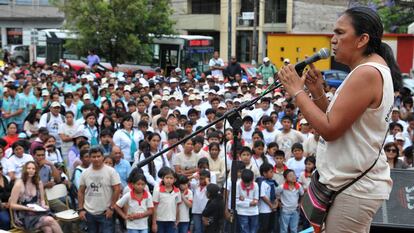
<point x="19" y="53"/>
<point x="334" y="78"/>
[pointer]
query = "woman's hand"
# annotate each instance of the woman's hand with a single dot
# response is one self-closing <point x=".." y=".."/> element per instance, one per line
<point x="313" y="79"/>
<point x="291" y="80"/>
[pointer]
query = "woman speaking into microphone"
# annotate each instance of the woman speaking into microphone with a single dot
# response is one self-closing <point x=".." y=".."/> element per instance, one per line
<point x="354" y="124"/>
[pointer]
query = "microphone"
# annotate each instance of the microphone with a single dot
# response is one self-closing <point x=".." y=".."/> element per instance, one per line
<point x="322" y="54"/>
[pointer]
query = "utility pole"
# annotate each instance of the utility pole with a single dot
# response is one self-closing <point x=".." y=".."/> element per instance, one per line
<point x="229" y="33"/>
<point x="254" y="46"/>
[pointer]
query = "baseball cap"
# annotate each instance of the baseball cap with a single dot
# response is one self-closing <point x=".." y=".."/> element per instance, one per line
<point x="266" y="59"/>
<point x="173" y="80"/>
<point x="286" y="60"/>
<point x="399" y="136"/>
<point x="45" y="93"/>
<point x="86" y="97"/>
<point x="55" y="104"/>
<point x="177" y="70"/>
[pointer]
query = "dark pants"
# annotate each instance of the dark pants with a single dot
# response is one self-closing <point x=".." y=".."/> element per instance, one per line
<point x="4" y="219"/>
<point x="99" y="223"/>
<point x="183" y="227"/>
<point x="264" y="223"/>
<point x="166" y="227"/>
<point x="198" y="223"/>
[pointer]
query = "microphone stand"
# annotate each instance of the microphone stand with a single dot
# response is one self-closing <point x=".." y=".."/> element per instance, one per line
<point x="235" y="121"/>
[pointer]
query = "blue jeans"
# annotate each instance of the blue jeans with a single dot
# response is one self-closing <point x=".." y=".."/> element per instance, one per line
<point x="183" y="227"/>
<point x="289" y="219"/>
<point x="99" y="223"/>
<point x="198" y="223"/>
<point x="166" y="227"/>
<point x="248" y="224"/>
<point x="137" y="231"/>
<point x="4" y="219"/>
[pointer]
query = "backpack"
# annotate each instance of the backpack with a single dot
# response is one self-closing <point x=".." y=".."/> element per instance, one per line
<point x="259" y="180"/>
<point x="73" y="191"/>
<point x="49" y="115"/>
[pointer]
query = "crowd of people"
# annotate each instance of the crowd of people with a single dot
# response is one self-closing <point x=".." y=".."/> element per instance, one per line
<point x="91" y="129"/>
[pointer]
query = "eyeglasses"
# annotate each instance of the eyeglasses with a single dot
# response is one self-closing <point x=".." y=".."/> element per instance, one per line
<point x="391" y="150"/>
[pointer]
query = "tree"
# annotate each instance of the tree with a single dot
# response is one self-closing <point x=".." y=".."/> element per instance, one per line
<point x="395" y="15"/>
<point x="118" y="29"/>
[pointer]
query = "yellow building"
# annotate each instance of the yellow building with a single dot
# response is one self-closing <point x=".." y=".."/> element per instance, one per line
<point x="296" y="46"/>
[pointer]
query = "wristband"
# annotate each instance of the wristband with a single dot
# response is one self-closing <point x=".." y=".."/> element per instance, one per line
<point x="320" y="97"/>
<point x="80" y="210"/>
<point x="298" y="92"/>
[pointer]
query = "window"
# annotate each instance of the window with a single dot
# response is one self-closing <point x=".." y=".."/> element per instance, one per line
<point x="14" y="35"/>
<point x="275" y="11"/>
<point x="24" y="2"/>
<point x="44" y="2"/>
<point x="4" y="2"/>
<point x="205" y="7"/>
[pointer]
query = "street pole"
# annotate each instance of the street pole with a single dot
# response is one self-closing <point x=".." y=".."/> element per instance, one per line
<point x="254" y="46"/>
<point x="229" y="33"/>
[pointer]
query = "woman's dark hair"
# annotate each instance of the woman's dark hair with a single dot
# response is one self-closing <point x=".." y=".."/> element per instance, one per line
<point x="123" y="109"/>
<point x="96" y="120"/>
<point x="310" y="159"/>
<point x="134" y="173"/>
<point x="259" y="133"/>
<point x="31" y="117"/>
<point x="213" y="144"/>
<point x="182" y="179"/>
<point x="213" y="191"/>
<point x="366" y="20"/>
<point x="82" y="143"/>
<point x="19" y="143"/>
<point x="127" y="117"/>
<point x="112" y="127"/>
<point x="12" y="123"/>
<point x="70" y="113"/>
<point x="260" y="144"/>
<point x="393" y="145"/>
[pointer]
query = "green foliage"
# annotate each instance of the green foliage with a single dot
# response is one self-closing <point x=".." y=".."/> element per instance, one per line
<point x="396" y="18"/>
<point x="116" y="29"/>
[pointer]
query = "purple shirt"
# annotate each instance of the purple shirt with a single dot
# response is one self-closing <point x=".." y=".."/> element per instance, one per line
<point x="93" y="59"/>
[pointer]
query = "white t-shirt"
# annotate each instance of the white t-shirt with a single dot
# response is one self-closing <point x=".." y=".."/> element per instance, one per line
<point x="296" y="165"/>
<point x="269" y="136"/>
<point x="249" y="194"/>
<point x="17" y="163"/>
<point x="216" y="62"/>
<point x="52" y="125"/>
<point x="136" y="206"/>
<point x="69" y="130"/>
<point x="183" y="208"/>
<point x="286" y="140"/>
<point x="166" y="203"/>
<point x="264" y="192"/>
<point x="98" y="192"/>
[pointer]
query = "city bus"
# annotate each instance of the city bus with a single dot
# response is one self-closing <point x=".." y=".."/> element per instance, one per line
<point x="167" y="51"/>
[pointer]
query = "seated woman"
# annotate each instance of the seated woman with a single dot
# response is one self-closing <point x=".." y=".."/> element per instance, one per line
<point x="29" y="190"/>
<point x="5" y="190"/>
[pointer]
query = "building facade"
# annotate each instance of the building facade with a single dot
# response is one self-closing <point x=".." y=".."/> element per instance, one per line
<point x="19" y="17"/>
<point x="273" y="17"/>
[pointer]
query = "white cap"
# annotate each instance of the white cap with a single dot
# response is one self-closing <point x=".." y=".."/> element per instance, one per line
<point x="90" y="78"/>
<point x="173" y="80"/>
<point x="227" y="85"/>
<point x="266" y="59"/>
<point x="209" y="76"/>
<point x="156" y="97"/>
<point x="212" y="91"/>
<point x="45" y="93"/>
<point x="55" y="104"/>
<point x="237" y="100"/>
<point x="192" y="97"/>
<point x="177" y="70"/>
<point x="399" y="136"/>
<point x="86" y="97"/>
<point x="303" y="121"/>
<point x="222" y="105"/>
<point x="127" y="88"/>
<point x="286" y="60"/>
<point x="104" y="80"/>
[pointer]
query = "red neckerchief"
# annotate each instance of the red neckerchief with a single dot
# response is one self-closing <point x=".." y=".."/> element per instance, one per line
<point x="286" y="185"/>
<point x="134" y="197"/>
<point x="247" y="189"/>
<point x="163" y="189"/>
<point x="308" y="174"/>
<point x="284" y="168"/>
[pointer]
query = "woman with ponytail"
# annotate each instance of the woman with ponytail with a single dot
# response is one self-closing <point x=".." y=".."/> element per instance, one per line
<point x="353" y="125"/>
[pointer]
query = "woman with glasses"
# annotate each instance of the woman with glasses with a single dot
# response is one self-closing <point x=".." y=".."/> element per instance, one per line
<point x="392" y="153"/>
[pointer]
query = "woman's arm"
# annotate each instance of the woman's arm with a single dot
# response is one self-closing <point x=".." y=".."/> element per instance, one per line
<point x="362" y="90"/>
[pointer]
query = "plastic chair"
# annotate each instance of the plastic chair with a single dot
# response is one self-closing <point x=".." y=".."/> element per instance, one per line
<point x="57" y="192"/>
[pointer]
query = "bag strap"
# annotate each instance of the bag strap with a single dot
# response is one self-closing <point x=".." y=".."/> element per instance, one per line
<point x="366" y="171"/>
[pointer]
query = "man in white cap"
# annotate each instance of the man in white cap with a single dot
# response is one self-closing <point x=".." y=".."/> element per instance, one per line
<point x="266" y="70"/>
<point x="216" y="65"/>
<point x="52" y="120"/>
